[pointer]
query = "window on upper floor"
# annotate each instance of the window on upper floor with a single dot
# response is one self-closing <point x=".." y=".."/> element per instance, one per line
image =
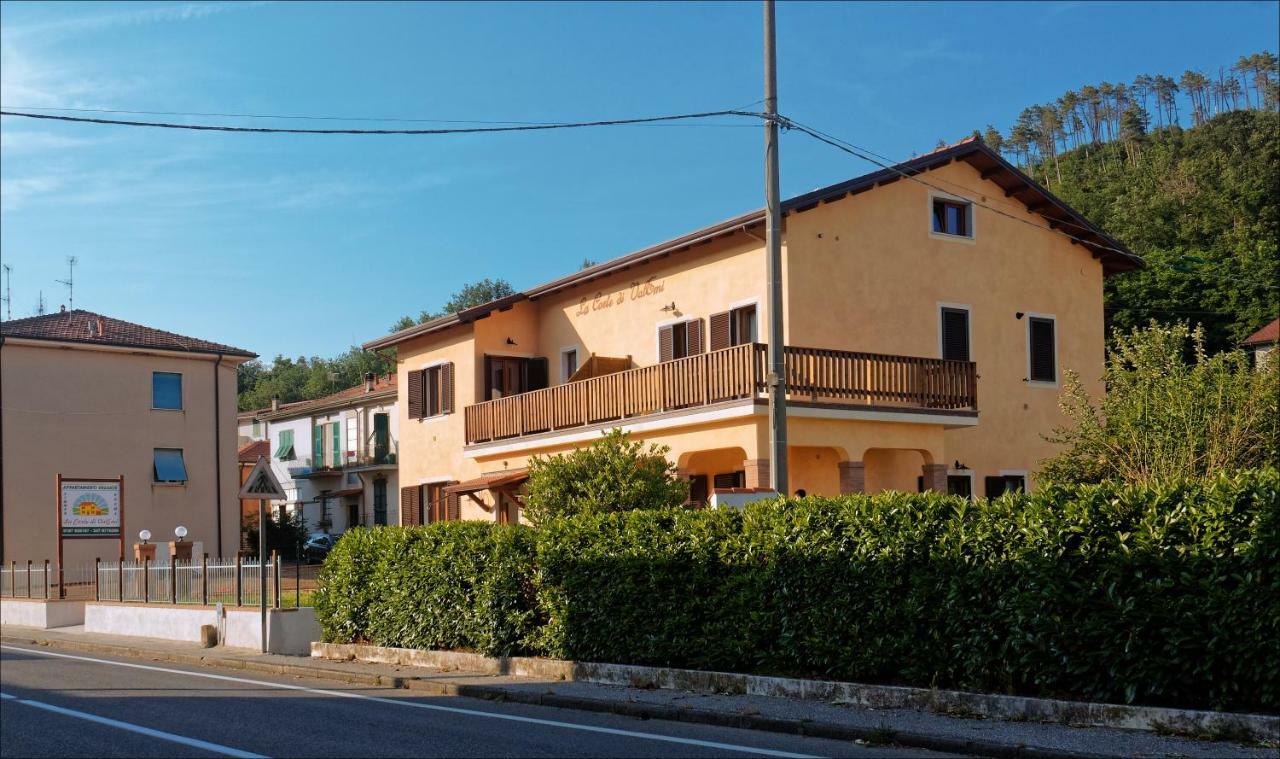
<point x="679" y="340"/>
<point x="166" y="390"/>
<point x="952" y="217"/>
<point x="430" y="391"/>
<point x="284" y="450"/>
<point x="168" y="466"/>
<point x="1042" y="361"/>
<point x="955" y="333"/>
<point x="733" y="327"/>
<point x="568" y="363"/>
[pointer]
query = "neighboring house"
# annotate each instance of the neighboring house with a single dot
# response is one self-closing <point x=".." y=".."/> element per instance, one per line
<point x="89" y="396"/>
<point x="249" y="427"/>
<point x="247" y="457"/>
<point x="336" y="456"/>
<point x="1262" y="343"/>
<point x="926" y="341"/>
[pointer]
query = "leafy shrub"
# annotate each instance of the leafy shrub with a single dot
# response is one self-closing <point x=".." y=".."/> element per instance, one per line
<point x="454" y="585"/>
<point x="614" y="473"/>
<point x="285" y="533"/>
<point x="1170" y="411"/>
<point x="1165" y="594"/>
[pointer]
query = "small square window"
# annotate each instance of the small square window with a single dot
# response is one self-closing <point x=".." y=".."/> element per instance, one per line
<point x="166" y="390"/>
<point x="169" y="466"/>
<point x="951" y="218"/>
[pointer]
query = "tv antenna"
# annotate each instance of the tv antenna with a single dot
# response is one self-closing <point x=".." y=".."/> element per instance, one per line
<point x="70" y="282"/>
<point x="8" y="296"/>
<point x="40" y="304"/>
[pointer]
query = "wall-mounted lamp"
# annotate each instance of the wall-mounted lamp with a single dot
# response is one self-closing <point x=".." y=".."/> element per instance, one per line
<point x="510" y="341"/>
<point x="1019" y="315"/>
<point x="960" y="466"/>
<point x="670" y="306"/>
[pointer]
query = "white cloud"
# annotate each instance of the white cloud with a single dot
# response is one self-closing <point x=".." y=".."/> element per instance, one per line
<point x="146" y="15"/>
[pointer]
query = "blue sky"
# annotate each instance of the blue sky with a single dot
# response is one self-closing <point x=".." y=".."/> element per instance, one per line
<point x="304" y="245"/>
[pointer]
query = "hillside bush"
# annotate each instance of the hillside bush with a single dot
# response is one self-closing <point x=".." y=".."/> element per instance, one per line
<point x="1166" y="593"/>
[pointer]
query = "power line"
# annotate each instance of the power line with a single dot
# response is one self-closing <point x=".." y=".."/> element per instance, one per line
<point x="851" y="149"/>
<point x="446" y="130"/>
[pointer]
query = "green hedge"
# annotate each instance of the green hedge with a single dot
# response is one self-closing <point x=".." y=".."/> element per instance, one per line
<point x="1161" y="595"/>
<point x="458" y="585"/>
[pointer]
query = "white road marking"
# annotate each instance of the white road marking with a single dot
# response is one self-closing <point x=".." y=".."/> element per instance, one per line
<point x="434" y="707"/>
<point x="171" y="737"/>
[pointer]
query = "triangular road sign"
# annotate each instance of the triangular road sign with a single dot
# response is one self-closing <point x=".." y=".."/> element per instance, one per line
<point x="262" y="483"/>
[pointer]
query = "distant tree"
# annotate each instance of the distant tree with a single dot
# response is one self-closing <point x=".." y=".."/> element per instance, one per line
<point x="404" y="322"/>
<point x="471" y="295"/>
<point x="587" y="263"/>
<point x="993" y="138"/>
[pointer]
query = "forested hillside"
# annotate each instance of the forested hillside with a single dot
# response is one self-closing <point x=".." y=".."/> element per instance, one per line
<point x="1200" y="201"/>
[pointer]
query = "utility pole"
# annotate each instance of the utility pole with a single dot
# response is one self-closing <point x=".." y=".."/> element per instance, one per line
<point x="773" y="253"/>
<point x="70" y="282"/>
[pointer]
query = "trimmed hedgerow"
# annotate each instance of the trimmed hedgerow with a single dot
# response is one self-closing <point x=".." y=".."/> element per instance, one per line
<point x="454" y="585"/>
<point x="1161" y="594"/>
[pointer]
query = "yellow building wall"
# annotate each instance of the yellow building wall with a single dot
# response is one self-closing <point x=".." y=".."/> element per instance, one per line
<point x="87" y="413"/>
<point x="867" y="274"/>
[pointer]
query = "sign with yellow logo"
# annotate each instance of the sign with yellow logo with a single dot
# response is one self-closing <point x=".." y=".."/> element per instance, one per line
<point x="90" y="508"/>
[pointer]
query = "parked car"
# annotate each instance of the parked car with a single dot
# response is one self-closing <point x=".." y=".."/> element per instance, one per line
<point x="317" y="547"/>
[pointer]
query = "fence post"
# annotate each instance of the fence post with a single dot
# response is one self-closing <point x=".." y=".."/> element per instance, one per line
<point x="275" y="573"/>
<point x="46" y="579"/>
<point x="173" y="579"/>
<point x="146" y="581"/>
<point x="97" y="578"/>
<point x="204" y="580"/>
<point x="15" y="577"/>
<point x="121" y="578"/>
<point x="238" y="583"/>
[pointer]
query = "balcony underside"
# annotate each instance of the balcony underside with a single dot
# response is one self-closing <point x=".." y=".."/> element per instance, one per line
<point x="840" y="384"/>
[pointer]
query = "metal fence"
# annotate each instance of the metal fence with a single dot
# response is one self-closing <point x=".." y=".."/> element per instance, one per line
<point x="234" y="581"/>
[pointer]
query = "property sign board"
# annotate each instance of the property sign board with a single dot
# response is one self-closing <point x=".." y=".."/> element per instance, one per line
<point x="90" y="508"/>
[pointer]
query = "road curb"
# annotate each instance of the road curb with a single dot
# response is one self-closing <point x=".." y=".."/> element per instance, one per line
<point x="640" y="710"/>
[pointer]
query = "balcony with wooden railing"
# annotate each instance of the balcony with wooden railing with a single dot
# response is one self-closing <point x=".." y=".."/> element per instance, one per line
<point x="814" y="375"/>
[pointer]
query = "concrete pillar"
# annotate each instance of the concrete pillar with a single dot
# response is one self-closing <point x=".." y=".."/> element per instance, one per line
<point x="935" y="477"/>
<point x="853" y="477"/>
<point x="757" y="473"/>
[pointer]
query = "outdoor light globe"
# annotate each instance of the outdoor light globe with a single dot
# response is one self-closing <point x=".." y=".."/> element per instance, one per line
<point x="180" y="531"/>
<point x="144" y="535"/>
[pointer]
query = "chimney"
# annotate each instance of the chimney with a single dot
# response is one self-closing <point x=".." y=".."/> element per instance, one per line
<point x="275" y="404"/>
<point x="102" y="327"/>
<point x="368" y="381"/>
<point x="62" y="309"/>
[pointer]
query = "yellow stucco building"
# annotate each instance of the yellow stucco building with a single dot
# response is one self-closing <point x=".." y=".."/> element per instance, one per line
<point x="927" y="325"/>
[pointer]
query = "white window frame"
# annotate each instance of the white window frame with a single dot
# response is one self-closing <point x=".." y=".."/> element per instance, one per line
<point x="734" y="306"/>
<point x="972" y="220"/>
<point x="1057" y="356"/>
<point x="564" y="366"/>
<point x="968" y="325"/>
<point x="657" y="332"/>
<point x="1026" y="477"/>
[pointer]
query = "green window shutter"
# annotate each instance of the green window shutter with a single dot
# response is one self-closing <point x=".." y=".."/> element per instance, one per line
<point x="285" y="450"/>
<point x="317" y="445"/>
<point x="337" y="443"/>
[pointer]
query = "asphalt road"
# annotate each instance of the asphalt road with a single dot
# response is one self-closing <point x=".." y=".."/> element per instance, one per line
<point x="67" y="704"/>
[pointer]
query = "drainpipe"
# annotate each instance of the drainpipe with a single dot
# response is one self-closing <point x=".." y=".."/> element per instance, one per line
<point x="2" y="470"/>
<point x="217" y="451"/>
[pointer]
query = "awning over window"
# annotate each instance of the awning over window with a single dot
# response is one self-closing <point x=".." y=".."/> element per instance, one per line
<point x="493" y="481"/>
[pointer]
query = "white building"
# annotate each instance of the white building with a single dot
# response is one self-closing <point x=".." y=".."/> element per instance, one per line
<point x="336" y="456"/>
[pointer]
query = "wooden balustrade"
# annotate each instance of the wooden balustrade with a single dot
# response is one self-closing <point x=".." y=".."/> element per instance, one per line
<point x="813" y="374"/>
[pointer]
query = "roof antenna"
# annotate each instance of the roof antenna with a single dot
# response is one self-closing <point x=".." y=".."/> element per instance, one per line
<point x="40" y="304"/>
<point x="8" y="296"/>
<point x="70" y="282"/>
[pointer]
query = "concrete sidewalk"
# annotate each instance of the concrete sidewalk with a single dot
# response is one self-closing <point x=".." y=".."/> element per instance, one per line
<point x="904" y="727"/>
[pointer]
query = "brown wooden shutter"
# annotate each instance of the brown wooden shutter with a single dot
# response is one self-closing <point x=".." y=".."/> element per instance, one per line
<point x="720" y="338"/>
<point x="414" y="393"/>
<point x="446" y="389"/>
<point x="955" y="334"/>
<point x="666" y="342"/>
<point x="693" y="336"/>
<point x="1043" y="363"/>
<point x="453" y="506"/>
<point x="411" y="505"/>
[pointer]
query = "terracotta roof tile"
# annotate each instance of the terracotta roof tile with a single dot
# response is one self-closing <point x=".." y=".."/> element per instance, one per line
<point x="249" y="452"/>
<point x="1268" y="334"/>
<point x="381" y="383"/>
<point x="79" y="326"/>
